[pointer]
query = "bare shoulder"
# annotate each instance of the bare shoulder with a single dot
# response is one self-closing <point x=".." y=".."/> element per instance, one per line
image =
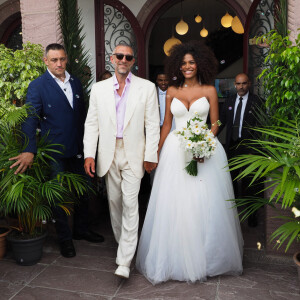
<point x="171" y="91"/>
<point x="210" y="89"/>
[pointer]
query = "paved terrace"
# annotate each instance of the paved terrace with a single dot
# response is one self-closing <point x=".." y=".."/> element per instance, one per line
<point x="89" y="275"/>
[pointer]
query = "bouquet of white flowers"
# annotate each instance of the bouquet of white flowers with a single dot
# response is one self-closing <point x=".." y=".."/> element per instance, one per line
<point x="197" y="139"/>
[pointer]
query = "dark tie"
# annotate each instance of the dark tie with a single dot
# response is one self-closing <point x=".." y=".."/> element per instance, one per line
<point x="237" y="119"/>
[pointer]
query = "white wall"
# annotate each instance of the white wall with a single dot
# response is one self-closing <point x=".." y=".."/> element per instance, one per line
<point x="134" y="5"/>
<point x="88" y="20"/>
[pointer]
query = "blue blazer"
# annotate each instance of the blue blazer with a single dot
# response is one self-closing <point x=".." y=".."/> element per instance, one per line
<point x="53" y="114"/>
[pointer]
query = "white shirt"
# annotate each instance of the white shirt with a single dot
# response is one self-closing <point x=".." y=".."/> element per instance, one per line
<point x="65" y="86"/>
<point x="244" y="103"/>
<point x="162" y="104"/>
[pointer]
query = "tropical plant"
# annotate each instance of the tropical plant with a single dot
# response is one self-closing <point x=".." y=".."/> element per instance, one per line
<point x="280" y="17"/>
<point x="31" y="196"/>
<point x="71" y="28"/>
<point x="17" y="69"/>
<point x="281" y="75"/>
<point x="275" y="162"/>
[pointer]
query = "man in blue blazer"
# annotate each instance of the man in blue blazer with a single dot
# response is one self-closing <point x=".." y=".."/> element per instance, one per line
<point x="57" y="100"/>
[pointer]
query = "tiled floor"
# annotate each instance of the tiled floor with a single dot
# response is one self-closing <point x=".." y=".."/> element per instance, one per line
<point x="89" y="275"/>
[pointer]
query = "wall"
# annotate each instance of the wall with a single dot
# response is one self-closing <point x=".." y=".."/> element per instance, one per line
<point x="294" y="17"/>
<point x="40" y="21"/>
<point x="88" y="20"/>
<point x="134" y="5"/>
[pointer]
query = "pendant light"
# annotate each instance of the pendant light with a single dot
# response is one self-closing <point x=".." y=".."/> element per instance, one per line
<point x="204" y="32"/>
<point x="237" y="25"/>
<point x="170" y="43"/>
<point x="198" y="19"/>
<point x="226" y="20"/>
<point x="182" y="27"/>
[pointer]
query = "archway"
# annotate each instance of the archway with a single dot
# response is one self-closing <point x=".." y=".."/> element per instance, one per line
<point x="114" y="24"/>
<point x="10" y="24"/>
<point x="158" y="8"/>
<point x="161" y="21"/>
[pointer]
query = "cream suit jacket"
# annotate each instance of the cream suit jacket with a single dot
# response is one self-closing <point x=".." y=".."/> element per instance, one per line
<point x="141" y="125"/>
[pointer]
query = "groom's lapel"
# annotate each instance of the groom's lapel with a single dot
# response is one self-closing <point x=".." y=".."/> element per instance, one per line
<point x="109" y="97"/>
<point x="132" y="100"/>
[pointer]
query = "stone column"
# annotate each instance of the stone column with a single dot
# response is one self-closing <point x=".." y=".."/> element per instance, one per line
<point x="293" y="18"/>
<point x="40" y="24"/>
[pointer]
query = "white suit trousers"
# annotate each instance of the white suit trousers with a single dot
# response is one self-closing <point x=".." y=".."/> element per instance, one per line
<point x="122" y="190"/>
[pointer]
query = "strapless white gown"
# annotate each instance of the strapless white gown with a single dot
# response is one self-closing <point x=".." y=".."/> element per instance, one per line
<point x="190" y="230"/>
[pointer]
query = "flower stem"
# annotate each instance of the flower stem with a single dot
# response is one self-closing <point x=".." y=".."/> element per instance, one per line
<point x="191" y="168"/>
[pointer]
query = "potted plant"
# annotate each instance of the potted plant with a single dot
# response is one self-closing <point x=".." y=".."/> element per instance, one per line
<point x="17" y="69"/>
<point x="4" y="231"/>
<point x="30" y="196"/>
<point x="277" y="159"/>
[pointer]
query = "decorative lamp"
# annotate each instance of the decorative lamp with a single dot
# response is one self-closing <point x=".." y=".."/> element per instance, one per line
<point x="226" y="20"/>
<point x="237" y="26"/>
<point x="204" y="32"/>
<point x="198" y="19"/>
<point x="182" y="27"/>
<point x="170" y="43"/>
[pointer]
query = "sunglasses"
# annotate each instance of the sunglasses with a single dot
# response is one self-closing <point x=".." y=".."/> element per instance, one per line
<point x="120" y="56"/>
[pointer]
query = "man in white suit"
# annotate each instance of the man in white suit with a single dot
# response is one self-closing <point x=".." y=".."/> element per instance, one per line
<point x="123" y="118"/>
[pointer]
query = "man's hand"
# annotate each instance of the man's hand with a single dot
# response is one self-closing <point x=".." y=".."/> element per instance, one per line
<point x="199" y="160"/>
<point x="149" y="166"/>
<point x="23" y="160"/>
<point x="89" y="166"/>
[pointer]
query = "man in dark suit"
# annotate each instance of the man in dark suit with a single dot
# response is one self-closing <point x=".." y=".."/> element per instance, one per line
<point x="238" y="114"/>
<point x="57" y="100"/>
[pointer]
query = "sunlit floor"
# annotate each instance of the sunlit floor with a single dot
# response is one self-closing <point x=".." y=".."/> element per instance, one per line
<point x="89" y="275"/>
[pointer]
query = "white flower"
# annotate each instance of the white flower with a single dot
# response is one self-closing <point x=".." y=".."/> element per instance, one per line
<point x="189" y="144"/>
<point x="296" y="212"/>
<point x="197" y="131"/>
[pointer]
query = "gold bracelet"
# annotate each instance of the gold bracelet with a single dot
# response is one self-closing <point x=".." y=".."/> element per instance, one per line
<point x="218" y="123"/>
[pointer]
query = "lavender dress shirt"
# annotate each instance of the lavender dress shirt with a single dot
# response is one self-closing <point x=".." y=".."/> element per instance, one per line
<point x="121" y="103"/>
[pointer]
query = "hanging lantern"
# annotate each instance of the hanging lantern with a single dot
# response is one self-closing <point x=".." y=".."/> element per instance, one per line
<point x="198" y="19"/>
<point x="204" y="32"/>
<point x="170" y="43"/>
<point x="237" y="26"/>
<point x="182" y="27"/>
<point x="226" y="20"/>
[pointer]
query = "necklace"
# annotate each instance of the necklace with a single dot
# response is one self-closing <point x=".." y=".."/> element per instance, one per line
<point x="186" y="85"/>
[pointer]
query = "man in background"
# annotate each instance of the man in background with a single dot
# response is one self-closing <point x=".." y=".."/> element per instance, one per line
<point x="238" y="113"/>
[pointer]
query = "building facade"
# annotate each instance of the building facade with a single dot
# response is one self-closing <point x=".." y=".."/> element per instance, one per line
<point x="145" y="24"/>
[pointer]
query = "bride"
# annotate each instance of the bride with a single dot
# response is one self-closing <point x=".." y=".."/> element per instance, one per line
<point x="190" y="231"/>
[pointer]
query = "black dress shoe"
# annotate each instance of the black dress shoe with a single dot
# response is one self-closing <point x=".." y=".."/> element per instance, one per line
<point x="89" y="236"/>
<point x="67" y="249"/>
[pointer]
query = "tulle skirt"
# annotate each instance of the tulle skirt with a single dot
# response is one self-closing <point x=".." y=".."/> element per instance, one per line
<point x="190" y="230"/>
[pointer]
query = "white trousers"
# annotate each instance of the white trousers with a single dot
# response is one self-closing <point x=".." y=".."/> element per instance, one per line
<point x="122" y="191"/>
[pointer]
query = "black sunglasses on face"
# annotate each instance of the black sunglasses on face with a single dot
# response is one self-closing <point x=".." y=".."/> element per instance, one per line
<point x="120" y="56"/>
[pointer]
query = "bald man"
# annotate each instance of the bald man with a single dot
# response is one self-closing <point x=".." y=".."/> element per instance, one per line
<point x="238" y="113"/>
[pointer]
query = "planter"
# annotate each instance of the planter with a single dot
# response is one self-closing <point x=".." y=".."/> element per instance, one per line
<point x="296" y="258"/>
<point x="4" y="231"/>
<point x="27" y="252"/>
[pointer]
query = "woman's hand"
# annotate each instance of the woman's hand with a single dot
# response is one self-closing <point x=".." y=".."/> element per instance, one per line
<point x="199" y="159"/>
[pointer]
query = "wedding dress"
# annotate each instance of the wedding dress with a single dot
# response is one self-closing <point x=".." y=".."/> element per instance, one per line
<point x="190" y="231"/>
